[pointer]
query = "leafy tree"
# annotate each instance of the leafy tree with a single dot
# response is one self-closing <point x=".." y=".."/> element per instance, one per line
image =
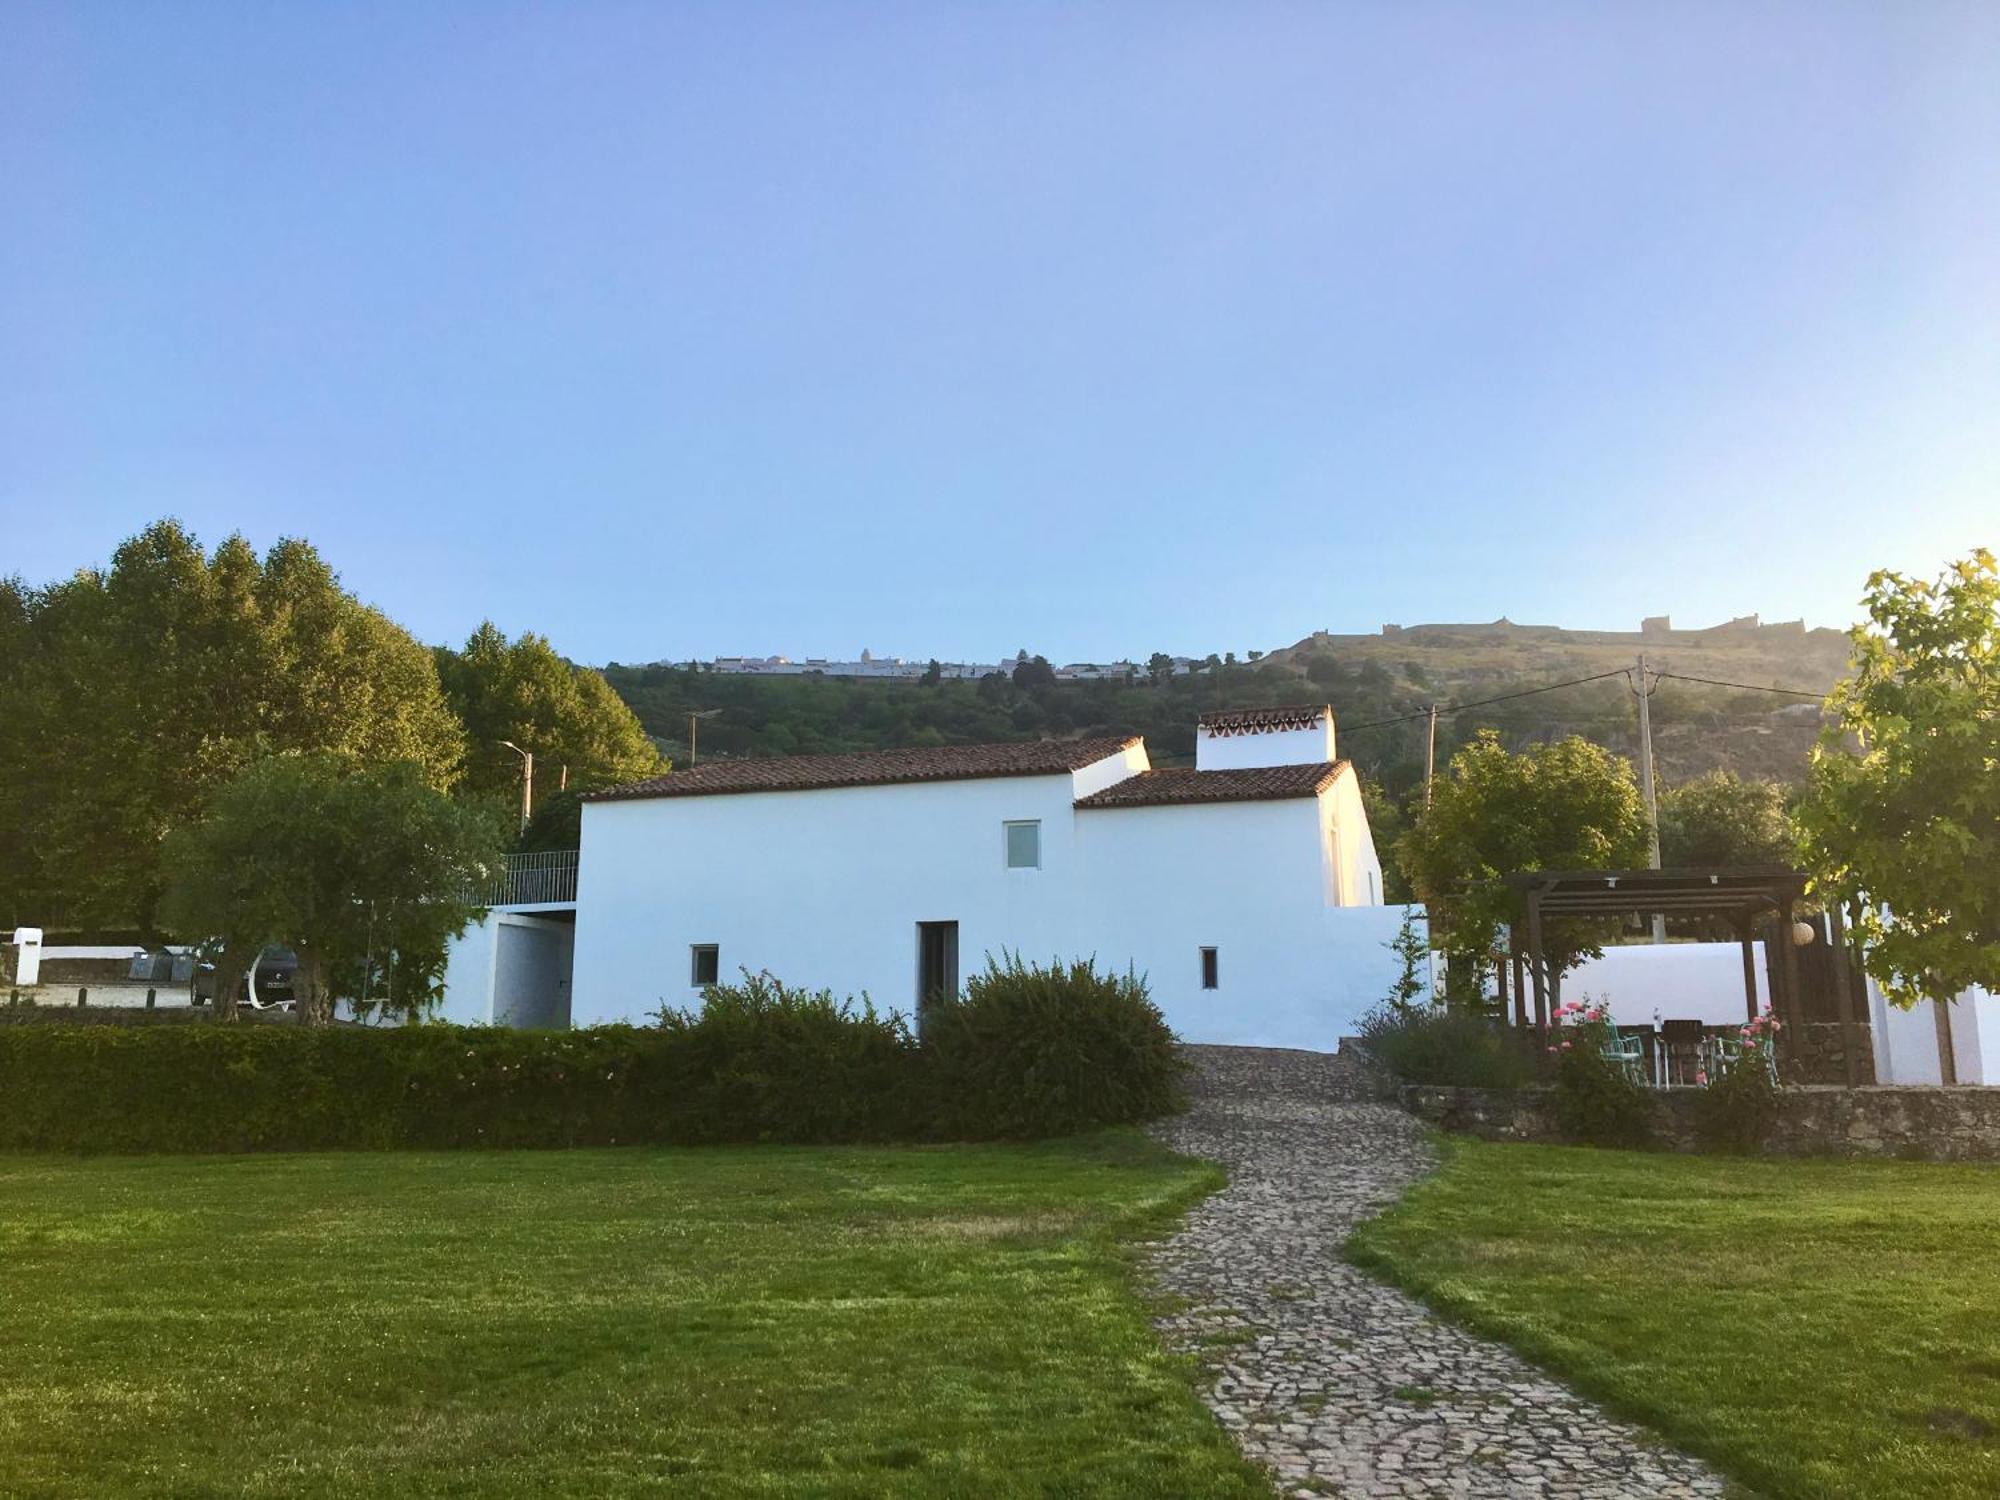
<point x="1412" y="981"/>
<point x="1567" y="805"/>
<point x="1159" y="668"/>
<point x="1031" y="673"/>
<point x="567" y="716"/>
<point x="344" y="866"/>
<point x="128" y="695"/>
<point x="1725" y="819"/>
<point x="1901" y="814"/>
<point x="933" y="674"/>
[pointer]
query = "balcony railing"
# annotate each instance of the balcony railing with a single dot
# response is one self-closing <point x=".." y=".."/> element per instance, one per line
<point x="544" y="878"/>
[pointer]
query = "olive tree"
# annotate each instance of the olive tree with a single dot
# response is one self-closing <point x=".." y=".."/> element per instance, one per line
<point x="338" y="864"/>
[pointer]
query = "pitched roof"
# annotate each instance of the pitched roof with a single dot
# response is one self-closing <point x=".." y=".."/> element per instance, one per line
<point x="1182" y="785"/>
<point x="1263" y="720"/>
<point x="804" y="773"/>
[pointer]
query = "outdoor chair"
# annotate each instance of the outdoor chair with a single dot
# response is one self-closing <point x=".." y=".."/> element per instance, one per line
<point x="1629" y="1052"/>
<point x="1681" y="1051"/>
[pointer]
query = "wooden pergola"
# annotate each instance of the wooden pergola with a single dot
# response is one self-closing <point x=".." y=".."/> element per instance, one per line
<point x="1741" y="895"/>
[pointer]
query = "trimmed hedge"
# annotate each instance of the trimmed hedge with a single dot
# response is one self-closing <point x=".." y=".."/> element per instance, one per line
<point x="759" y="1062"/>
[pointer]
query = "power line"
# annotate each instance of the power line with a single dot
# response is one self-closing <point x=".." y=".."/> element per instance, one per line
<point x="1748" y="687"/>
<point x="1453" y="708"/>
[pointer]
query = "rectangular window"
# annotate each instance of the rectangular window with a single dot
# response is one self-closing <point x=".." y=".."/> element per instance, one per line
<point x="1208" y="969"/>
<point x="707" y="964"/>
<point x="1024" y="845"/>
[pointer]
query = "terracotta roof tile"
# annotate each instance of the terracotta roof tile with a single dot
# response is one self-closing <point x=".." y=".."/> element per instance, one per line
<point x="1182" y="786"/>
<point x="804" y="773"/>
<point x="1262" y="720"/>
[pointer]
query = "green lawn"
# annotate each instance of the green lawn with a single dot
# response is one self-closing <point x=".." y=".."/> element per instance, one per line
<point x="1815" y="1328"/>
<point x="769" y="1321"/>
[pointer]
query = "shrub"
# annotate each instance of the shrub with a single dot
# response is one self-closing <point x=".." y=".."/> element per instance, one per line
<point x="1029" y="1052"/>
<point x="1597" y="1102"/>
<point x="1433" y="1044"/>
<point x="764" y="1061"/>
<point x="1737" y="1109"/>
<point x="1032" y="1051"/>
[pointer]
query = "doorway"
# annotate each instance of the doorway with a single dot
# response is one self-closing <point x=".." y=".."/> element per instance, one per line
<point x="937" y="964"/>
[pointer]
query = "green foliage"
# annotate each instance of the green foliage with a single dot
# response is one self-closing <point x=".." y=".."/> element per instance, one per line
<point x="1737" y="1111"/>
<point x="1901" y="816"/>
<point x="1565" y="806"/>
<point x="1027" y="1053"/>
<point x="1596" y="1101"/>
<point x="1031" y="1051"/>
<point x="128" y="695"/>
<point x="1724" y="819"/>
<point x="343" y="866"/>
<point x="1412" y="950"/>
<point x="765" y="1061"/>
<point x="567" y="716"/>
<point x="1457" y="1048"/>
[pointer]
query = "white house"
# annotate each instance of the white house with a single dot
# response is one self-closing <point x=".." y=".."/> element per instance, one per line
<point x="1246" y="889"/>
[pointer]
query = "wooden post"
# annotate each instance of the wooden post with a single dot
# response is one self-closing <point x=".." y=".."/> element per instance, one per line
<point x="1850" y="1042"/>
<point x="1947" y="1053"/>
<point x="1520" y="990"/>
<point x="1536" y="967"/>
<point x="82" y="997"/>
<point x="1795" y="1013"/>
<point x="1746" y="931"/>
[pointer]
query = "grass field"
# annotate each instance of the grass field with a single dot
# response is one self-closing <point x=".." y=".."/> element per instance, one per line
<point x="1815" y="1328"/>
<point x="769" y="1322"/>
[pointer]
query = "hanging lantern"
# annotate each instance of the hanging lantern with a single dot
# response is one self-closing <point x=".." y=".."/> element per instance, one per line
<point x="1803" y="933"/>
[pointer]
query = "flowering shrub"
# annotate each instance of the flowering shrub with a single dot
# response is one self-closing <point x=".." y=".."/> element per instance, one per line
<point x="1597" y="1102"/>
<point x="1739" y="1104"/>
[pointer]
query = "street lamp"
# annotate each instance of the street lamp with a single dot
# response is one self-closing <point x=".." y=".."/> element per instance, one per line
<point x="694" y="716"/>
<point x="527" y="780"/>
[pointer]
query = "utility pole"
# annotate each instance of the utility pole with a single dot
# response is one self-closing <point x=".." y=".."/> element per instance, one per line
<point x="1646" y="787"/>
<point x="1430" y="756"/>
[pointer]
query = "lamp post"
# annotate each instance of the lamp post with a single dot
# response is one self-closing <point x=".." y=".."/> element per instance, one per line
<point x="694" y="719"/>
<point x="527" y="780"/>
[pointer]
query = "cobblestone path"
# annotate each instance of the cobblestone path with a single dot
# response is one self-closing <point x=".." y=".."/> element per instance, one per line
<point x="1341" y="1385"/>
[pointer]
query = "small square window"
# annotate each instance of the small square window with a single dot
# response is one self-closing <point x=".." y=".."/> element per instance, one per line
<point x="1024" y="846"/>
<point x="707" y="964"/>
<point x="1209" y="978"/>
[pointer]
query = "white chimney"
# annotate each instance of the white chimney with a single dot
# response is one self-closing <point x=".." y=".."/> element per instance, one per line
<point x="1240" y="737"/>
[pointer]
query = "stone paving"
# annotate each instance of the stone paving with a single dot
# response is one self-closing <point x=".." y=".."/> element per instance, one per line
<point x="1338" y="1384"/>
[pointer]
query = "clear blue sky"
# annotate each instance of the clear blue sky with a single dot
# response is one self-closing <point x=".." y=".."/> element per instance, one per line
<point x="951" y="328"/>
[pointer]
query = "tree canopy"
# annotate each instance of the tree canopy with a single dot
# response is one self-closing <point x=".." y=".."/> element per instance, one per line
<point x="346" y="866"/>
<point x="1901" y="814"/>
<point x="567" y="716"/>
<point x="129" y="694"/>
<point x="1570" y="805"/>
<point x="1725" y="819"/>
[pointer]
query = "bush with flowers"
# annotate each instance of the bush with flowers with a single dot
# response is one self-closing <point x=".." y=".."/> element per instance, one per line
<point x="1597" y="1102"/>
<point x="1738" y="1104"/>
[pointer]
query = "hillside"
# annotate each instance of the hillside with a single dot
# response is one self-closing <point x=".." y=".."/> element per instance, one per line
<point x="1367" y="679"/>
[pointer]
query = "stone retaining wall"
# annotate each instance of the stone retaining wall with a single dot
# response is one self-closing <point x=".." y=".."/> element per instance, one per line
<point x="1912" y="1122"/>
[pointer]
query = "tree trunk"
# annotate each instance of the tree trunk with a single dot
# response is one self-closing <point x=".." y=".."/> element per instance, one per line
<point x="229" y="971"/>
<point x="312" y="1006"/>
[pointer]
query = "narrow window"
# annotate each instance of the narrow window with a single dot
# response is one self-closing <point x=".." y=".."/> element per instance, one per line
<point x="1024" y="845"/>
<point x="1208" y="970"/>
<point x="706" y="964"/>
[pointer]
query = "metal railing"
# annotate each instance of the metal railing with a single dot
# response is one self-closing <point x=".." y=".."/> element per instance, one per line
<point x="544" y="878"/>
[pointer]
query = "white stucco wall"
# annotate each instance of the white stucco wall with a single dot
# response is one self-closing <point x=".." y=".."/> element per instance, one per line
<point x="1906" y="1041"/>
<point x="1677" y="981"/>
<point x="826" y="888"/>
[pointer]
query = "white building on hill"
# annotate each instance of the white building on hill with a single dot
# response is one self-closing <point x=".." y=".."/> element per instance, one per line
<point x="1247" y="889"/>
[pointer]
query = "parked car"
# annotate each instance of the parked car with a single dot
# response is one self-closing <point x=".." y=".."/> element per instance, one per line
<point x="273" y="990"/>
